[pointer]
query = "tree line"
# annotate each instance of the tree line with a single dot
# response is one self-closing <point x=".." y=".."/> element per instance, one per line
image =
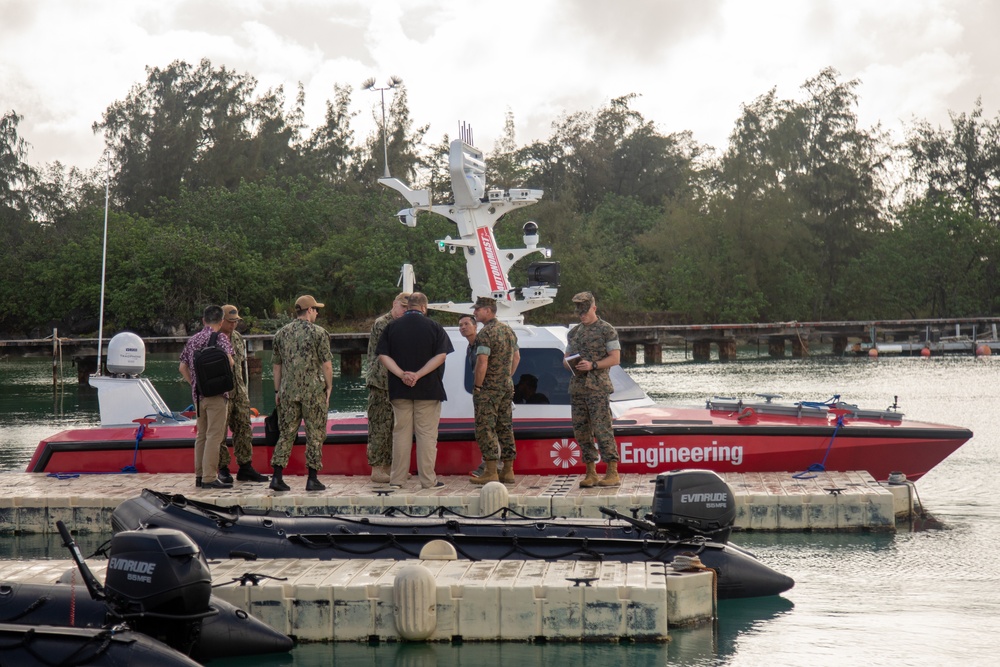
<point x="219" y="192"/>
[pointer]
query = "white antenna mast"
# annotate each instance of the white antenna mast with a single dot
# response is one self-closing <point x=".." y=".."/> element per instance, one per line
<point x="393" y="82"/>
<point x="104" y="262"/>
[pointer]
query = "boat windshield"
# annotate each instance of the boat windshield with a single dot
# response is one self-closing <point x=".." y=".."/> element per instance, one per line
<point x="545" y="369"/>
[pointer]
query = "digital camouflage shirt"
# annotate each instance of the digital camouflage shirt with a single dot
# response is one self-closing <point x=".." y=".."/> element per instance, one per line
<point x="498" y="341"/>
<point x="592" y="342"/>
<point x="377" y="376"/>
<point x="239" y="366"/>
<point x="301" y="348"/>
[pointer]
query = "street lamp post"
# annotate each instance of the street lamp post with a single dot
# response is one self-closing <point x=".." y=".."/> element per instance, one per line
<point x="393" y="82"/>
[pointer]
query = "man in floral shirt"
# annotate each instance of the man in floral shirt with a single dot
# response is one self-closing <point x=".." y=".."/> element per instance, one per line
<point x="212" y="410"/>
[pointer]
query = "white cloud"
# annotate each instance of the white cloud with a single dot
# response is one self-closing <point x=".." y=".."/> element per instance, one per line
<point x="693" y="64"/>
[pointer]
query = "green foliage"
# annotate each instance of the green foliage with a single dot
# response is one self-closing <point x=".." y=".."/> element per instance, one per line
<point x="218" y="196"/>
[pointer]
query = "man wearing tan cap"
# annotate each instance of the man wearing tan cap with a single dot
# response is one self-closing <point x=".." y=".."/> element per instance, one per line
<point x="593" y="348"/>
<point x="303" y="380"/>
<point x="497" y="357"/>
<point x="239" y="407"/>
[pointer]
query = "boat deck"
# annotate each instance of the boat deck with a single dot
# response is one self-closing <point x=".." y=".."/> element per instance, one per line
<point x="828" y="501"/>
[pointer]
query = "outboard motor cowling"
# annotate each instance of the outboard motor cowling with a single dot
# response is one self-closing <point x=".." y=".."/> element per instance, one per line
<point x="694" y="502"/>
<point x="160" y="571"/>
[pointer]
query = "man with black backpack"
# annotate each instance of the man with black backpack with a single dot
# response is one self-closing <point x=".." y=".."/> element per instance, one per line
<point x="207" y="365"/>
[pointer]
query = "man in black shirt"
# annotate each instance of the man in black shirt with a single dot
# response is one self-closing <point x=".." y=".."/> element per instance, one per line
<point x="413" y="349"/>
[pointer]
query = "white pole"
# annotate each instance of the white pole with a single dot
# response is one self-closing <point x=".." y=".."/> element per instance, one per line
<point x="104" y="265"/>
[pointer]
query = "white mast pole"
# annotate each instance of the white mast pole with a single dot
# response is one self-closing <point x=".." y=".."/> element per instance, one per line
<point x="104" y="264"/>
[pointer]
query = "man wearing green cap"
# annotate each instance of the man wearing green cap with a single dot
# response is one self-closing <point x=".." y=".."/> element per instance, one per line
<point x="595" y="348"/>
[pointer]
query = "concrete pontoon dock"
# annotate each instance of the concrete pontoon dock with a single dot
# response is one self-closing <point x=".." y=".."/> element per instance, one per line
<point x="828" y="501"/>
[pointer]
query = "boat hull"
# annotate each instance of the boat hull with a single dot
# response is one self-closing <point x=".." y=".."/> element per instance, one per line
<point x="49" y="645"/>
<point x="650" y="440"/>
<point x="230" y="632"/>
<point x="224" y="532"/>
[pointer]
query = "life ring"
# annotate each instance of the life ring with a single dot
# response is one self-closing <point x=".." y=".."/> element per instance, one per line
<point x="254" y="412"/>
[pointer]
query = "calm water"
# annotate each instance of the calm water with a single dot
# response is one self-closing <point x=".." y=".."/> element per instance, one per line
<point x="920" y="597"/>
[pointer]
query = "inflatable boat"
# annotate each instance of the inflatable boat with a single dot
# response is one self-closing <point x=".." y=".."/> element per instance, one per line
<point x="113" y="647"/>
<point x="157" y="584"/>
<point x="693" y="513"/>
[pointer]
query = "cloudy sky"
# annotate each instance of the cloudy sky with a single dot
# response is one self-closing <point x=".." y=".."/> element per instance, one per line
<point x="693" y="62"/>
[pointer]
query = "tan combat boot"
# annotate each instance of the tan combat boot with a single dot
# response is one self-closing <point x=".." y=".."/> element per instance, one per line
<point x="380" y="474"/>
<point x="489" y="475"/>
<point x="507" y="474"/>
<point x="591" y="478"/>
<point x="611" y="476"/>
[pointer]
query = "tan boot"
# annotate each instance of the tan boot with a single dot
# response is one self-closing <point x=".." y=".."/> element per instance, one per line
<point x="611" y="476"/>
<point x="489" y="475"/>
<point x="507" y="474"/>
<point x="591" y="478"/>
<point x="380" y="474"/>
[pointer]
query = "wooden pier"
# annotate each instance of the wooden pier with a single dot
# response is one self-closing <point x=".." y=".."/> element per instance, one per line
<point x="938" y="336"/>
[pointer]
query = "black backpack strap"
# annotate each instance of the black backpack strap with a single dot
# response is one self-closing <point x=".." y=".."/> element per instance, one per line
<point x="213" y="339"/>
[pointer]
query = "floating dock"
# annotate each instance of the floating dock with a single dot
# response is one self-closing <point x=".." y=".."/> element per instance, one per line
<point x="448" y="600"/>
<point x="827" y="501"/>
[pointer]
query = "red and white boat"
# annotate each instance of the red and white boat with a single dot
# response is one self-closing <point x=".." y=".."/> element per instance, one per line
<point x="724" y="435"/>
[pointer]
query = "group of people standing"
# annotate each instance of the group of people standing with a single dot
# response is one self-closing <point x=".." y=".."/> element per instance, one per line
<point x="303" y="379"/>
<point x="400" y="350"/>
<point x="405" y="380"/>
<point x="229" y="410"/>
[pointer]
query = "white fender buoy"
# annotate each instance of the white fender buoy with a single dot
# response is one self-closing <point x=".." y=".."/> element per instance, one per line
<point x="438" y="550"/>
<point x="494" y="496"/>
<point x="414" y="596"/>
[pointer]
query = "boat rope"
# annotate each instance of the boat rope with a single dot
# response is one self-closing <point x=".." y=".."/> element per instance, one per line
<point x="98" y="645"/>
<point x="27" y="610"/>
<point x="810" y="472"/>
<point x="252" y="578"/>
<point x="126" y="470"/>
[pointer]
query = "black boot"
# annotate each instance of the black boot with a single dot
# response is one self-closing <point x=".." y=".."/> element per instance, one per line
<point x="197" y="482"/>
<point x="247" y="473"/>
<point x="313" y="483"/>
<point x="225" y="476"/>
<point x="277" y="484"/>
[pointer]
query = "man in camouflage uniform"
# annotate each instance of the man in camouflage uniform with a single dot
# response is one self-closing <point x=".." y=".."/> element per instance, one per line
<point x="497" y="358"/>
<point x="467" y="327"/>
<point x="239" y="407"/>
<point x="379" y="407"/>
<point x="596" y="343"/>
<point x="303" y="380"/>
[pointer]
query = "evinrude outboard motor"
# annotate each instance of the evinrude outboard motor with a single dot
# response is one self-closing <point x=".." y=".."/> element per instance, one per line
<point x="159" y="581"/>
<point x="694" y="502"/>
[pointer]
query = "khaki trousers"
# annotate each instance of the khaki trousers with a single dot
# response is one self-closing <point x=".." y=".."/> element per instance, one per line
<point x="411" y="418"/>
<point x="213" y="414"/>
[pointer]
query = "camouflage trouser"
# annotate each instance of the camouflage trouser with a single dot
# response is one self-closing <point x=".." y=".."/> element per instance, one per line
<point x="239" y="424"/>
<point x="592" y="421"/>
<point x="290" y="413"/>
<point x="379" y="427"/>
<point x="494" y="428"/>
